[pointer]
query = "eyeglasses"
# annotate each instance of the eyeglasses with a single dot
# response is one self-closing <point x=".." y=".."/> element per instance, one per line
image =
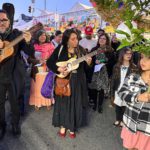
<point x="3" y="20"/>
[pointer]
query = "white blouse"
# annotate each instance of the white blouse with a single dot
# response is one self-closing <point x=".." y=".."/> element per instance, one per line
<point x="123" y="72"/>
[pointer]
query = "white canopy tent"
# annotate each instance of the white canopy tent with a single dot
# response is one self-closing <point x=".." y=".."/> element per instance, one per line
<point x="78" y="12"/>
<point x="79" y="7"/>
<point x="26" y="25"/>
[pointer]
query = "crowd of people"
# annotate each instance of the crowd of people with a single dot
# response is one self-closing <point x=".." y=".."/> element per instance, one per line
<point x="119" y="76"/>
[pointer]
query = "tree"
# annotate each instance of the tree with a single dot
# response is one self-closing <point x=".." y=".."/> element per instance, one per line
<point x="116" y="11"/>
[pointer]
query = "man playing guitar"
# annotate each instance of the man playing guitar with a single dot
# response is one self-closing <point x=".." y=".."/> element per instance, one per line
<point x="6" y="73"/>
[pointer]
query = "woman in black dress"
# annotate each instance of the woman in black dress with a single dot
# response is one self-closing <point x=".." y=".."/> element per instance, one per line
<point x="70" y="112"/>
<point x="100" y="79"/>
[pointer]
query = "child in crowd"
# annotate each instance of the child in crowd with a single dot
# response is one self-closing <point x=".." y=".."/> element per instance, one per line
<point x="136" y="130"/>
<point x="121" y="70"/>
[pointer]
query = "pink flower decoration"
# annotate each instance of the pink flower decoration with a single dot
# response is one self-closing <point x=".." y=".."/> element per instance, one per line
<point x="93" y="4"/>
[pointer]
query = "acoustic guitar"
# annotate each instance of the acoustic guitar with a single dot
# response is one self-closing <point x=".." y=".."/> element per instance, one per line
<point x="73" y="63"/>
<point x="8" y="49"/>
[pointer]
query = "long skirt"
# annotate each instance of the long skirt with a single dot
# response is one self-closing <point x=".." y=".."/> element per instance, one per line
<point x="36" y="98"/>
<point x="69" y="111"/>
<point x="136" y="140"/>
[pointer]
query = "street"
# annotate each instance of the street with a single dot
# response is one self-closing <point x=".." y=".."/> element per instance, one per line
<point x="39" y="134"/>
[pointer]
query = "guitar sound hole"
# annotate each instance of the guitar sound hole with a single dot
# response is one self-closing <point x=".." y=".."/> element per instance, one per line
<point x="69" y="66"/>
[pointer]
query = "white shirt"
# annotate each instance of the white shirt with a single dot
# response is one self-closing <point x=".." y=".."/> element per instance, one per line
<point x="123" y="73"/>
<point x="54" y="43"/>
<point x="88" y="44"/>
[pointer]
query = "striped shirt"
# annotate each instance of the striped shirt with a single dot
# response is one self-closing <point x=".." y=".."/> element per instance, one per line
<point x="137" y="114"/>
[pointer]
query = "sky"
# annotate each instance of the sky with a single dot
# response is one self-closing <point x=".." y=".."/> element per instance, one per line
<point x="21" y="6"/>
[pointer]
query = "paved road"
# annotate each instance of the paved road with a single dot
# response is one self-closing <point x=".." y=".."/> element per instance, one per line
<point x="39" y="134"/>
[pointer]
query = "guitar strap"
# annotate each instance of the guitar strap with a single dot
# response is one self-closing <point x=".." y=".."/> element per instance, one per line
<point x="58" y="58"/>
<point x="60" y="51"/>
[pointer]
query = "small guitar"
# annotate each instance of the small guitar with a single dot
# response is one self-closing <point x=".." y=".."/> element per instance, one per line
<point x="73" y="63"/>
<point x="8" y="49"/>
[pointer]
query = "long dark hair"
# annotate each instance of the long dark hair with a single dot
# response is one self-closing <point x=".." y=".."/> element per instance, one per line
<point x="107" y="39"/>
<point x="65" y="39"/>
<point x="108" y="45"/>
<point x="66" y="36"/>
<point x="121" y="55"/>
<point x="38" y="34"/>
<point x="139" y="66"/>
<point x="120" y="61"/>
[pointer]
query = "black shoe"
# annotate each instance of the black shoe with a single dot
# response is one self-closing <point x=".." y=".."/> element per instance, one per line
<point x="100" y="110"/>
<point x="94" y="108"/>
<point x="22" y="113"/>
<point x="2" y="132"/>
<point x="16" y="130"/>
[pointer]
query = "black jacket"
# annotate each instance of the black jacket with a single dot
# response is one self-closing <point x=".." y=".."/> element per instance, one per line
<point x="111" y="60"/>
<point x="115" y="81"/>
<point x="9" y="65"/>
<point x="51" y="63"/>
<point x="12" y="70"/>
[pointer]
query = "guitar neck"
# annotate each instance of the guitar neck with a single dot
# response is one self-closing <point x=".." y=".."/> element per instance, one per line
<point x="14" y="42"/>
<point x="83" y="58"/>
<point x="32" y="30"/>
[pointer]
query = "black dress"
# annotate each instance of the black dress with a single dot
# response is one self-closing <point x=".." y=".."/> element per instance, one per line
<point x="70" y="112"/>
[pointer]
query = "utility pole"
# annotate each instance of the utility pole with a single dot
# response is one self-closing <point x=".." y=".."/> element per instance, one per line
<point x="56" y="17"/>
<point x="44" y="4"/>
<point x="33" y="7"/>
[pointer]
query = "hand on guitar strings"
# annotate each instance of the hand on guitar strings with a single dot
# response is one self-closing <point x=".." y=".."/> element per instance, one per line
<point x="1" y="44"/>
<point x="88" y="60"/>
<point x="63" y="70"/>
<point x="27" y="36"/>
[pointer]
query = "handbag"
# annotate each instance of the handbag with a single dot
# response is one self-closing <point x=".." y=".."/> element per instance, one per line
<point x="47" y="89"/>
<point x="48" y="85"/>
<point x="62" y="87"/>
